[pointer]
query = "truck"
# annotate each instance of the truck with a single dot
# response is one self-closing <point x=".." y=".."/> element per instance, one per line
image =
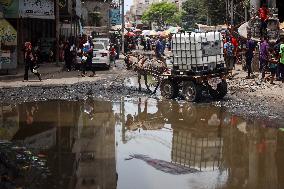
<point x="197" y="65"/>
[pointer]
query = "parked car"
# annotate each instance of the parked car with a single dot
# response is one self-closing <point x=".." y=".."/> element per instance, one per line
<point x="100" y="55"/>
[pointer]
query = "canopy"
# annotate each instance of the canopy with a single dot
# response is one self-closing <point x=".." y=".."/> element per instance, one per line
<point x="149" y="32"/>
<point x="173" y="30"/>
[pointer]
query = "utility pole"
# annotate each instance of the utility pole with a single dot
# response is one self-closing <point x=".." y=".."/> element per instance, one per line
<point x="122" y="26"/>
<point x="57" y="28"/>
<point x="232" y="12"/>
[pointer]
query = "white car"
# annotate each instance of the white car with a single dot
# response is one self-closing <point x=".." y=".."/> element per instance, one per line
<point x="103" y="40"/>
<point x="100" y="55"/>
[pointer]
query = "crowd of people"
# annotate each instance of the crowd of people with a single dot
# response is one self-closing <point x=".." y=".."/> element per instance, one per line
<point x="76" y="53"/>
<point x="269" y="53"/>
<point x="270" y="56"/>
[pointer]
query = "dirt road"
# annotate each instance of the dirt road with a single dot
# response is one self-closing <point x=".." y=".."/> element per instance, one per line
<point x="249" y="98"/>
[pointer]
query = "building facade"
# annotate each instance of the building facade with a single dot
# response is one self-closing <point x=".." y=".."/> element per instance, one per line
<point x="34" y="21"/>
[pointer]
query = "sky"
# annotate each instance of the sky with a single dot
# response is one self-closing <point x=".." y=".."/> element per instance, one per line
<point x="127" y="4"/>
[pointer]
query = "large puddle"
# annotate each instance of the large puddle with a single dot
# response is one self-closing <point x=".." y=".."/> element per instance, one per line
<point x="136" y="144"/>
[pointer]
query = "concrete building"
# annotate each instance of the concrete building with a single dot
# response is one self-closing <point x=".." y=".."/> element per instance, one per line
<point x="34" y="21"/>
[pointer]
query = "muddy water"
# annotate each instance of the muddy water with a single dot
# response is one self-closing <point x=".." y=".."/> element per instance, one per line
<point x="136" y="143"/>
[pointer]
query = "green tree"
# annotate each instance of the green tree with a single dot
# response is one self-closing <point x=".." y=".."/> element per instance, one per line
<point x="216" y="11"/>
<point x="194" y="11"/>
<point x="162" y="13"/>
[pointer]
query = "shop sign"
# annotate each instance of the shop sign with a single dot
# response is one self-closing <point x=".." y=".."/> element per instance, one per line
<point x="115" y="17"/>
<point x="43" y="9"/>
<point x="5" y="57"/>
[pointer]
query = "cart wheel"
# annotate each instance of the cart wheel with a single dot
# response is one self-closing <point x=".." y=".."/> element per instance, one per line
<point x="152" y="83"/>
<point x="169" y="89"/>
<point x="191" y="91"/>
<point x="220" y="92"/>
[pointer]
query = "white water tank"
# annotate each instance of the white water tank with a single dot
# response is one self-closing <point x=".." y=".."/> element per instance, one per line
<point x="197" y="50"/>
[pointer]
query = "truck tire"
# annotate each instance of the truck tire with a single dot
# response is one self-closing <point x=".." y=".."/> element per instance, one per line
<point x="220" y="92"/>
<point x="191" y="91"/>
<point x="169" y="89"/>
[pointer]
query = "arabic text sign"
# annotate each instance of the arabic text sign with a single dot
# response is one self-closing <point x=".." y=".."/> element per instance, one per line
<point x="5" y="58"/>
<point x="36" y="9"/>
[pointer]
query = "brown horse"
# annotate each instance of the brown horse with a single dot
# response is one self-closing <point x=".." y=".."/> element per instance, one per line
<point x="145" y="67"/>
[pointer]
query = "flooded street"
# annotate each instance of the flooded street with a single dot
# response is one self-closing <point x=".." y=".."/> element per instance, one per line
<point x="141" y="143"/>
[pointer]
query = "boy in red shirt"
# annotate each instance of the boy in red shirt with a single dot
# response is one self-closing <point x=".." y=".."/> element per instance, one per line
<point x="263" y="14"/>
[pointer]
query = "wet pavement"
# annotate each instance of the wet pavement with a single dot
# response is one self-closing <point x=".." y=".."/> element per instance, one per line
<point x="136" y="143"/>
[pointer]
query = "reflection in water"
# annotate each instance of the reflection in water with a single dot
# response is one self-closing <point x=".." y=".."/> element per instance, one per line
<point x="86" y="144"/>
<point x="167" y="167"/>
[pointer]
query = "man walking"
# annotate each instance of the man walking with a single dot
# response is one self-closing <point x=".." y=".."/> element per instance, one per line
<point x="281" y="61"/>
<point x="250" y="47"/>
<point x="159" y="48"/>
<point x="229" y="55"/>
<point x="30" y="60"/>
<point x="263" y="59"/>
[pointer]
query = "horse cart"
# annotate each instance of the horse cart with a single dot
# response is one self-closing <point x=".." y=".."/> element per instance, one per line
<point x="196" y="65"/>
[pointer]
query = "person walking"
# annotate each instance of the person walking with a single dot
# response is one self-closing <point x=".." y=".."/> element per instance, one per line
<point x="30" y="62"/>
<point x="90" y="57"/>
<point x="276" y="50"/>
<point x="229" y="55"/>
<point x="263" y="14"/>
<point x="87" y="55"/>
<point x="112" y="54"/>
<point x="159" y="48"/>
<point x="281" y="60"/>
<point x="263" y="57"/>
<point x="67" y="56"/>
<point x="250" y="47"/>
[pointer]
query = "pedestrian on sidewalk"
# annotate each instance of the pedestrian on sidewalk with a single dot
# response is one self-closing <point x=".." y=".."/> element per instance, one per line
<point x="30" y="62"/>
<point x="236" y="47"/>
<point x="273" y="61"/>
<point x="229" y="55"/>
<point x="67" y="56"/>
<point x="87" y="55"/>
<point x="250" y="47"/>
<point x="263" y="14"/>
<point x="263" y="57"/>
<point x="281" y="60"/>
<point x="112" y="54"/>
<point x="159" y="48"/>
<point x="276" y="49"/>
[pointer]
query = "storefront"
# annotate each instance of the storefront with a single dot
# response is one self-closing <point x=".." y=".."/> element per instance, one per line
<point x="33" y="20"/>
